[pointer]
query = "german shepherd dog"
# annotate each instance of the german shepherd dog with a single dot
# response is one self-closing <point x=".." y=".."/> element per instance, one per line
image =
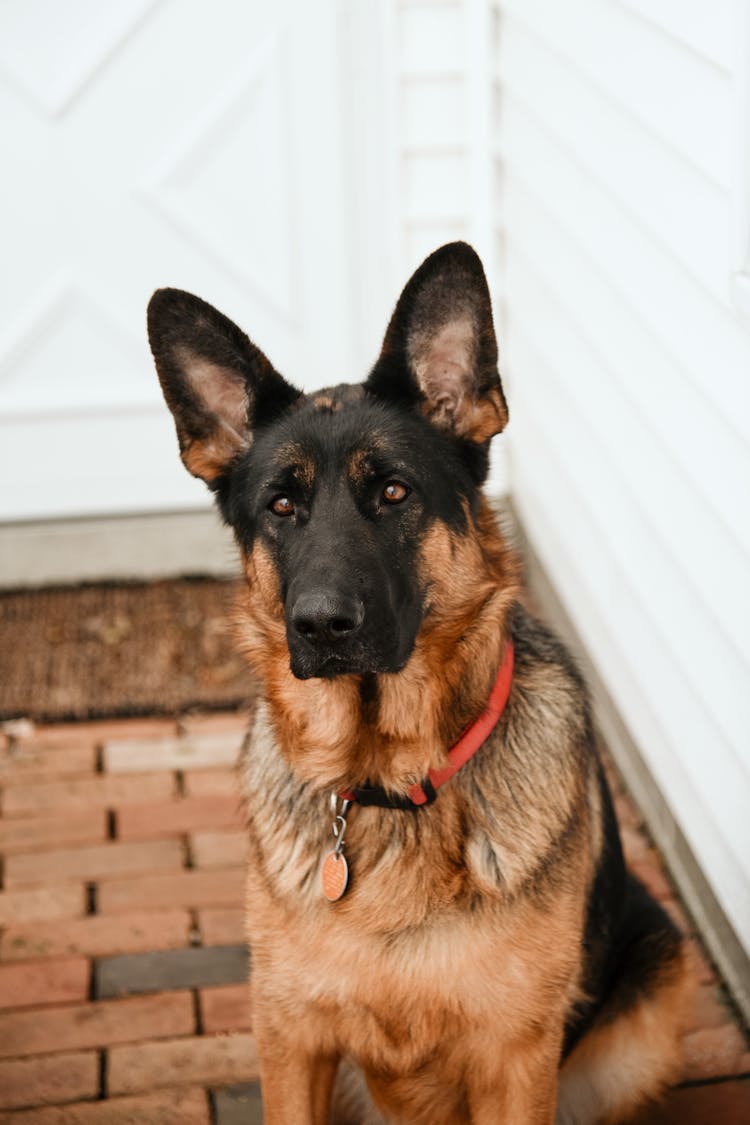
<point x="465" y="945"/>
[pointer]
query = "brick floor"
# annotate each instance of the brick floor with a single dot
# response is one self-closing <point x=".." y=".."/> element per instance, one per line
<point x="174" y="968"/>
<point x="122" y="962"/>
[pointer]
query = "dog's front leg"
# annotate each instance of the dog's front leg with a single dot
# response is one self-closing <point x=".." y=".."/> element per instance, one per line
<point x="297" y="1086"/>
<point x="519" y="1084"/>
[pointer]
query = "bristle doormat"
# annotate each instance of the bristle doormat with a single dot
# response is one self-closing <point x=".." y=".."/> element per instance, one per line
<point x="107" y="650"/>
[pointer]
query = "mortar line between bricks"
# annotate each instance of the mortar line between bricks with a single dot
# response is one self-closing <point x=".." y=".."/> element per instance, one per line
<point x="90" y="899"/>
<point x="713" y="1080"/>
<point x="99" y="758"/>
<point x="180" y="786"/>
<point x="213" y="1112"/>
<point x="195" y="935"/>
<point x="197" y="1012"/>
<point x="103" y="1063"/>
<point x="111" y="824"/>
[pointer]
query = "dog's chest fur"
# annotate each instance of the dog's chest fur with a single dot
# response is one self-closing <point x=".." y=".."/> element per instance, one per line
<point x="431" y="945"/>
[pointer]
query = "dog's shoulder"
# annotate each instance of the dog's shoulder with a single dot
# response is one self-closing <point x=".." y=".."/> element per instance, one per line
<point x="549" y="711"/>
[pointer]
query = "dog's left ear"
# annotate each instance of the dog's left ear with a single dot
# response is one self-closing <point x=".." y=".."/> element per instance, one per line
<point x="440" y="350"/>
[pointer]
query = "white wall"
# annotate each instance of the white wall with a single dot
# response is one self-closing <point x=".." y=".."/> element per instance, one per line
<point x="442" y="130"/>
<point x="176" y="143"/>
<point x="291" y="163"/>
<point x="629" y="375"/>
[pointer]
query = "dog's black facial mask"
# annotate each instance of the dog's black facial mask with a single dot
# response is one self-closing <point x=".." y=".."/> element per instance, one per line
<point x="340" y="487"/>
<point x="341" y="495"/>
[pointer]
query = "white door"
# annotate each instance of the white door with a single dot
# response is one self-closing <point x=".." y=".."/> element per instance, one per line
<point x="155" y="143"/>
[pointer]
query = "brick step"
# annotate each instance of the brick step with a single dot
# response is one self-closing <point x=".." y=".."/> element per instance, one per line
<point x="222" y="926"/>
<point x="211" y="783"/>
<point x="179" y="816"/>
<point x="167" y="1107"/>
<point x="206" y="1060"/>
<point x="41" y="904"/>
<point x="35" y="763"/>
<point x="174" y="968"/>
<point x="188" y="752"/>
<point x="98" y="1024"/>
<point x="69" y="1076"/>
<point x="216" y="887"/>
<point x="43" y="832"/>
<point x="239" y="1105"/>
<point x="33" y="983"/>
<point x="722" y="1103"/>
<point x="218" y="849"/>
<point x="96" y="862"/>
<point x="86" y="793"/>
<point x="96" y="936"/>
<point x="226" y="1007"/>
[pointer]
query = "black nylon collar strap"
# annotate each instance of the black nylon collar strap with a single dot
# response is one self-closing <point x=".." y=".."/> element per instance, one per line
<point x="425" y="792"/>
<point x="375" y="795"/>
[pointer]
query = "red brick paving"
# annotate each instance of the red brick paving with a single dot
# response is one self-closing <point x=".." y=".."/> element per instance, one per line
<point x="100" y="1023"/>
<point x="109" y="792"/>
<point x="28" y="984"/>
<point x="225" y="1007"/>
<point x="202" y="1060"/>
<point x="178" y="816"/>
<point x="121" y="838"/>
<point x="98" y="935"/>
<point x="41" y="903"/>
<point x="186" y="888"/>
<point x="31" y="834"/>
<point x="221" y="926"/>
<point x="217" y="849"/>
<point x="167" y="1107"/>
<point x="68" y="1076"/>
<point x="98" y="862"/>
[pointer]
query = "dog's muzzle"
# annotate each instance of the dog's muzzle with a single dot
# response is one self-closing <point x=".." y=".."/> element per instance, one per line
<point x="324" y="631"/>
<point x="326" y="619"/>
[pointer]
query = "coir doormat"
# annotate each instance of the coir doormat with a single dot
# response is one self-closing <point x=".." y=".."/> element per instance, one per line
<point x="106" y="650"/>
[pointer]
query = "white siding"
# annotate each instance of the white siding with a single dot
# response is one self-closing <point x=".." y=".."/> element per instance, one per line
<point x="444" y="51"/>
<point x="628" y="377"/>
<point x="294" y="166"/>
<point x="218" y="165"/>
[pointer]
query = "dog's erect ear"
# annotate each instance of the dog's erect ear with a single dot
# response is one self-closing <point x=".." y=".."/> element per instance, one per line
<point x="440" y="351"/>
<point x="217" y="384"/>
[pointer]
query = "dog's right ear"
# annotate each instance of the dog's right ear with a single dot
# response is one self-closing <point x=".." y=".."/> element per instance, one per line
<point x="217" y="384"/>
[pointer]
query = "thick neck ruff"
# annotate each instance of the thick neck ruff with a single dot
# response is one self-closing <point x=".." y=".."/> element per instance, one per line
<point x="425" y="792"/>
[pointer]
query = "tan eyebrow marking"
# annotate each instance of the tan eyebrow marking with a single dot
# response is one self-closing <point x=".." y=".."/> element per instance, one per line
<point x="296" y="460"/>
<point x="359" y="465"/>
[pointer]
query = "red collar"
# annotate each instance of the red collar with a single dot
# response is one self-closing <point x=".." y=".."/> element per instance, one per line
<point x="425" y="792"/>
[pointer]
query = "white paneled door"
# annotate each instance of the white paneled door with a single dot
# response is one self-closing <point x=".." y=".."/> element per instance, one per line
<point x="148" y="143"/>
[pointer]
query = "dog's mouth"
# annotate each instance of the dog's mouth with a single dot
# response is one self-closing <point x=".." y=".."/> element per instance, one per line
<point x="327" y="666"/>
<point x="359" y="656"/>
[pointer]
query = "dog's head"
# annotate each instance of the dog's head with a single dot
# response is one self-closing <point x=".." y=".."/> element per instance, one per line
<point x="333" y="494"/>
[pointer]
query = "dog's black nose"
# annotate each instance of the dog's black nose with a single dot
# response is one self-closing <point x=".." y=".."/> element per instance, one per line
<point x="320" y="616"/>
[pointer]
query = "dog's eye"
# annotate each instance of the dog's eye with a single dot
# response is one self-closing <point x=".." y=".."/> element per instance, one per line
<point x="395" y="492"/>
<point x="281" y="506"/>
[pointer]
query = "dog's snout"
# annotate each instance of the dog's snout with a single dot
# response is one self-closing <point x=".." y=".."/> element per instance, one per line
<point x="321" y="616"/>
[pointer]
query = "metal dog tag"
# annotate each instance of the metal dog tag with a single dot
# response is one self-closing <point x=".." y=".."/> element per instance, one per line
<point x="335" y="870"/>
<point x="334" y="875"/>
